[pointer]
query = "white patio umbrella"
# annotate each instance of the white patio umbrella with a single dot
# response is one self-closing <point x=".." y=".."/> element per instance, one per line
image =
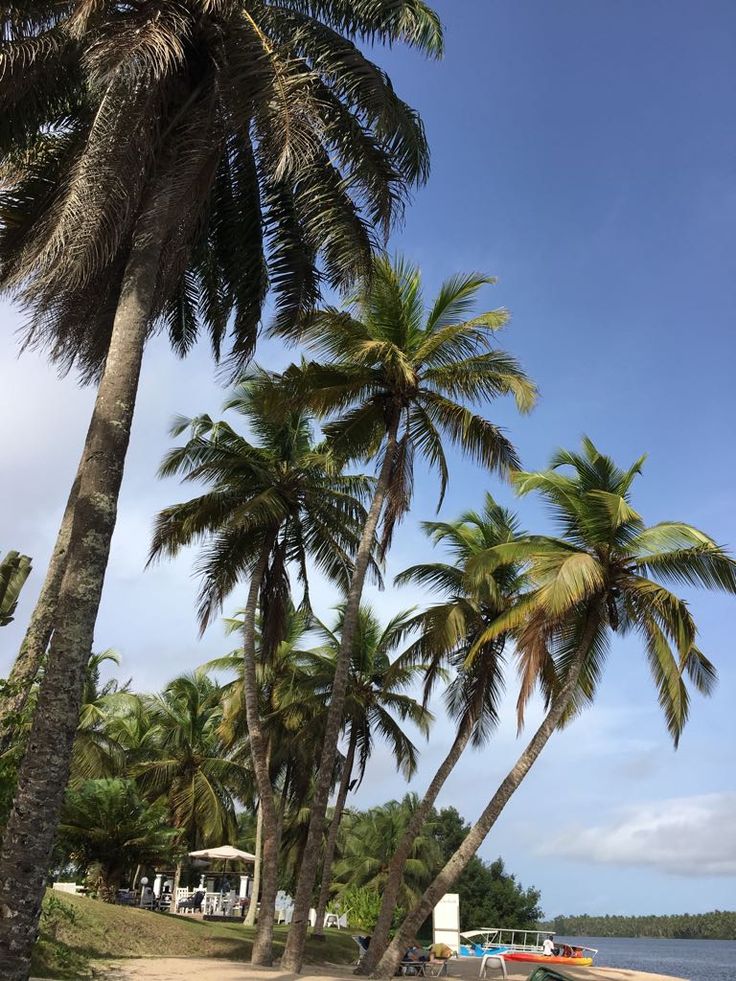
<point x="225" y="854"/>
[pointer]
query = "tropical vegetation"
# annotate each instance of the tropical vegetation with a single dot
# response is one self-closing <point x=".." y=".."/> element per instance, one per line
<point x="716" y="925"/>
<point x="194" y="168"/>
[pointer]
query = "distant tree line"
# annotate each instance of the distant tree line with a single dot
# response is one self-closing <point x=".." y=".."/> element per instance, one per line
<point x="717" y="925"/>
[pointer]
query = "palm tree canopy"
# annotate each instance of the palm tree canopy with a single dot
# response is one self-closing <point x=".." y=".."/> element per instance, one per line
<point x="189" y="765"/>
<point x="370" y="839"/>
<point x="258" y="132"/>
<point x="394" y="365"/>
<point x="280" y="490"/>
<point x="607" y="572"/>
<point x="450" y="629"/>
<point x="376" y="694"/>
<point x="106" y="821"/>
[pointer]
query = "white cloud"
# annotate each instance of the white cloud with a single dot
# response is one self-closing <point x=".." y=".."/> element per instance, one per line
<point x="687" y="836"/>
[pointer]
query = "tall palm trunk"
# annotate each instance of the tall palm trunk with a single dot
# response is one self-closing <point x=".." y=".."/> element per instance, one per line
<point x="331" y="847"/>
<point x="263" y="944"/>
<point x="250" y="919"/>
<point x="37" y="637"/>
<point x="388" y="964"/>
<point x="31" y="829"/>
<point x="294" y="951"/>
<point x="395" y="874"/>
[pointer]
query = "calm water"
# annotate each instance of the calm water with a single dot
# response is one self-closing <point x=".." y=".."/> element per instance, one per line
<point x="696" y="960"/>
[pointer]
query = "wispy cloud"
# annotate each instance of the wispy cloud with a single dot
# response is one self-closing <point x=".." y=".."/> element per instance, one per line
<point x="688" y="836"/>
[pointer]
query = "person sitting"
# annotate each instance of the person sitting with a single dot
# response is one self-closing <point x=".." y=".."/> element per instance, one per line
<point x="439" y="952"/>
<point x="193" y="903"/>
<point x="548" y="946"/>
<point x="415" y="953"/>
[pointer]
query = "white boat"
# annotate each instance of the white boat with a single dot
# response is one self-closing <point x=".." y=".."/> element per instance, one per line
<point x="523" y="945"/>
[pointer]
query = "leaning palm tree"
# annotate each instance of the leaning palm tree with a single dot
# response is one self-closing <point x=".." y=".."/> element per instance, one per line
<point x="449" y="631"/>
<point x="268" y="504"/>
<point x="605" y="574"/>
<point x="396" y="383"/>
<point x="165" y="164"/>
<point x="375" y="704"/>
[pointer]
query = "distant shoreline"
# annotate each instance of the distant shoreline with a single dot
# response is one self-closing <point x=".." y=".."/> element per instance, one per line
<point x="714" y="925"/>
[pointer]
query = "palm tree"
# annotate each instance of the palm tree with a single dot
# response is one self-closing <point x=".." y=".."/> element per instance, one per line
<point x="105" y="821"/>
<point x="449" y="630"/>
<point x="375" y="697"/>
<point x="371" y="838"/>
<point x="269" y="504"/>
<point x="290" y="710"/>
<point x="166" y="164"/>
<point x="604" y="575"/>
<point x="190" y="766"/>
<point x="397" y="380"/>
<point x="97" y="752"/>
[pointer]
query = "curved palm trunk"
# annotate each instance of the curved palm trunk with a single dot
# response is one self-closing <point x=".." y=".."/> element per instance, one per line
<point x="263" y="943"/>
<point x="294" y="951"/>
<point x="31" y="829"/>
<point x="37" y="637"/>
<point x="395" y="874"/>
<point x="331" y="846"/>
<point x="250" y="919"/>
<point x="388" y="964"/>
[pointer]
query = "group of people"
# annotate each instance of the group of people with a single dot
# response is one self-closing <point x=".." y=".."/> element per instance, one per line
<point x="551" y="949"/>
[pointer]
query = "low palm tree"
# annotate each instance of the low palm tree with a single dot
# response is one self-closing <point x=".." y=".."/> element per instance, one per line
<point x="165" y="164"/>
<point x="375" y="704"/>
<point x="106" y="822"/>
<point x="189" y="766"/>
<point x="97" y="752"/>
<point x="605" y="574"/>
<point x="448" y="632"/>
<point x="370" y="840"/>
<point x="396" y="382"/>
<point x="269" y="504"/>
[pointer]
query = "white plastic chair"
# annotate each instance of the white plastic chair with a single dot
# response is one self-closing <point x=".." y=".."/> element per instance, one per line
<point x="493" y="960"/>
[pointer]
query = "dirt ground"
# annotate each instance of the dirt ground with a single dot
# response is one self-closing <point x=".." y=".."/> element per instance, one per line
<point x="178" y="968"/>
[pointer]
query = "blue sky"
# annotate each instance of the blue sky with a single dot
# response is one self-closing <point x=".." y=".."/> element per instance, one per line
<point x="584" y="153"/>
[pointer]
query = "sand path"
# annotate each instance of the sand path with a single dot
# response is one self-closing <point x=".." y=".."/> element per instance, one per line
<point x="178" y="968"/>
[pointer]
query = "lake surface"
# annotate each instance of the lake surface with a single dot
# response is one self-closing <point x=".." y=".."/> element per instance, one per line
<point x="696" y="960"/>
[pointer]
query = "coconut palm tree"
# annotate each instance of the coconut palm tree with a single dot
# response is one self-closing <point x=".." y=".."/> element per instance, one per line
<point x="269" y="504"/>
<point x="375" y="704"/>
<point x="397" y="380"/>
<point x="369" y="841"/>
<point x="449" y="630"/>
<point x="97" y="752"/>
<point x="605" y="574"/>
<point x="289" y="706"/>
<point x="166" y="163"/>
<point x="189" y="765"/>
<point x="106" y="822"/>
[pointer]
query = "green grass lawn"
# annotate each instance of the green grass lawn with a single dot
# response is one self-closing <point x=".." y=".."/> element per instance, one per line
<point x="79" y="931"/>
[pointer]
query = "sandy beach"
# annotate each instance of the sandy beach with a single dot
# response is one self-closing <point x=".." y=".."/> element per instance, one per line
<point x="176" y="968"/>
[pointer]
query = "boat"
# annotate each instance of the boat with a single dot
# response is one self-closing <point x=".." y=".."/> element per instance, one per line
<point x="524" y="946"/>
<point x="477" y="943"/>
